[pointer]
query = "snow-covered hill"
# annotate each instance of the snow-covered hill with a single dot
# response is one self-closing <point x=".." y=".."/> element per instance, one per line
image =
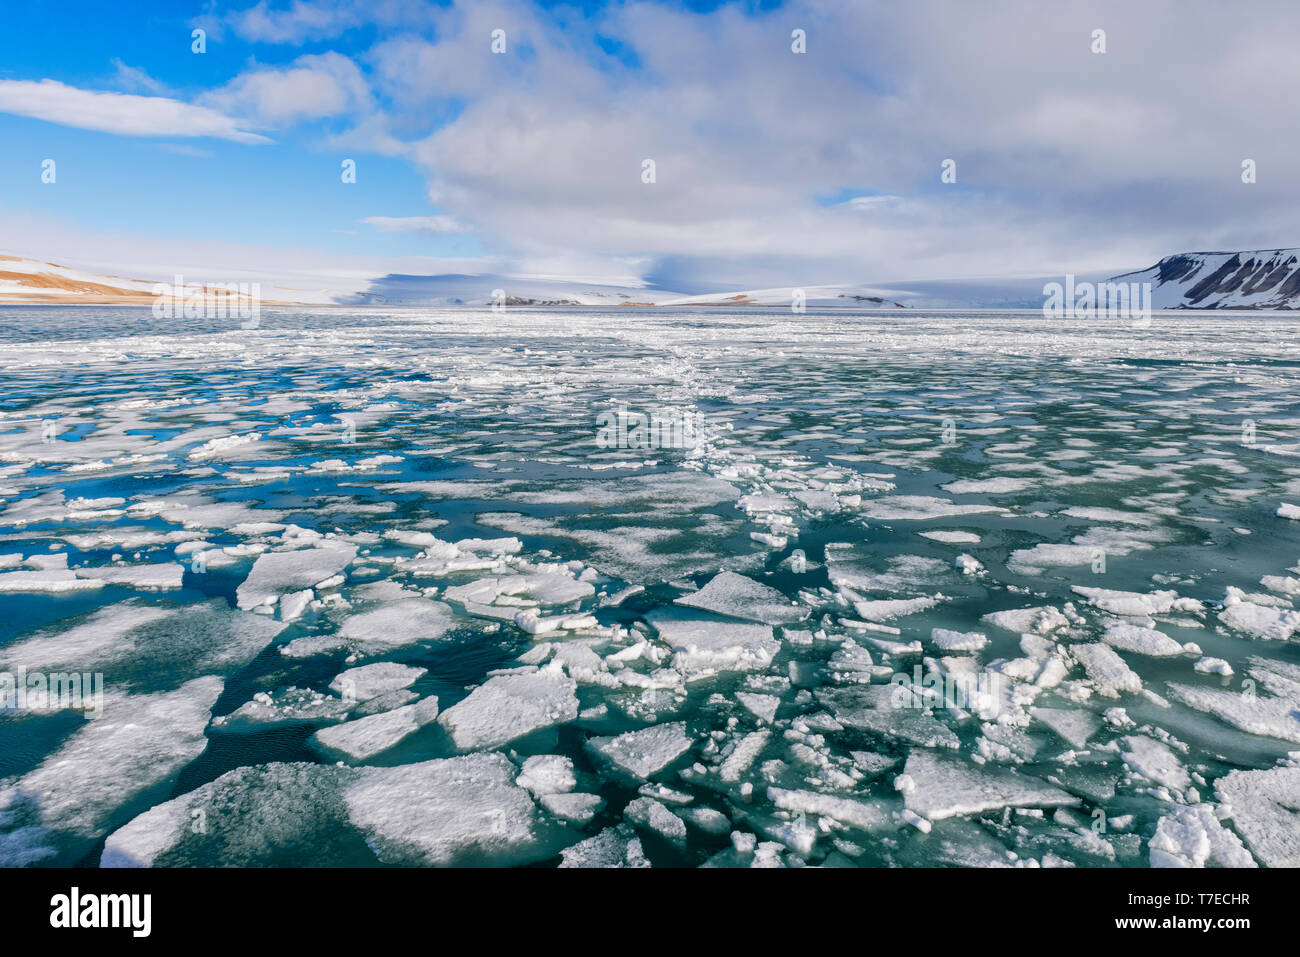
<point x="1254" y="279"/>
<point x="37" y="282"/>
<point x="33" y="281"/>
<point x="482" y="290"/>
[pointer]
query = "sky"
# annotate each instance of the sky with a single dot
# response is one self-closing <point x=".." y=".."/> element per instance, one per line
<point x="771" y="167"/>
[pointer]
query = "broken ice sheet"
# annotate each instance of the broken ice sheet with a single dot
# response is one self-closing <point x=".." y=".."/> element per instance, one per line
<point x="702" y="646"/>
<point x="790" y="461"/>
<point x="739" y="597"/>
<point x="147" y="646"/>
<point x="936" y="786"/>
<point x="467" y="810"/>
<point x="644" y="753"/>
<point x="277" y="573"/>
<point x="511" y="706"/>
<point x="55" y="812"/>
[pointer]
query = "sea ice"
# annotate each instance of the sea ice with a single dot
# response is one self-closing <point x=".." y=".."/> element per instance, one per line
<point x="510" y="706"/>
<point x="739" y="597"/>
<point x="362" y="738"/>
<point x="645" y="752"/>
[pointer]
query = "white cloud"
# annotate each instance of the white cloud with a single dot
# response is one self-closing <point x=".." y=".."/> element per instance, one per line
<point x="301" y="21"/>
<point x="136" y="80"/>
<point x="312" y="87"/>
<point x="434" y="225"/>
<point x="1066" y="160"/>
<point x="123" y="113"/>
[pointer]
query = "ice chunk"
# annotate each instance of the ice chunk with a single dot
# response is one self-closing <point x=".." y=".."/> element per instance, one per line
<point x="951" y="538"/>
<point x="363" y="738"/>
<point x="396" y="624"/>
<point x="1275" y="716"/>
<point x="876" y="708"/>
<point x="150" y="646"/>
<point x="650" y="815"/>
<point x="992" y="486"/>
<point x="886" y="609"/>
<point x="1154" y="761"/>
<point x="547" y="774"/>
<point x="1274" y="624"/>
<point x="739" y="597"/>
<point x="746" y="751"/>
<point x="1143" y="641"/>
<point x="275" y="573"/>
<point x="51" y="580"/>
<point x="645" y="752"/>
<point x="1106" y="670"/>
<point x="1136" y="605"/>
<point x="452" y="811"/>
<point x="762" y="706"/>
<point x="159" y="576"/>
<point x="1193" y="837"/>
<point x="1039" y="621"/>
<point x="370" y="681"/>
<point x="1262" y="806"/>
<point x="283" y="707"/>
<point x="945" y="787"/>
<point x="613" y="847"/>
<point x="510" y="706"/>
<point x="705" y="646"/>
<point x="574" y="808"/>
<point x="1074" y="725"/>
<point x="855" y="812"/>
<point x="919" y="508"/>
<point x="251" y="816"/>
<point x="947" y="640"/>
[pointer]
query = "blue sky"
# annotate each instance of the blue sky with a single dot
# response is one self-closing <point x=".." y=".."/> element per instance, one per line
<point x="772" y="167"/>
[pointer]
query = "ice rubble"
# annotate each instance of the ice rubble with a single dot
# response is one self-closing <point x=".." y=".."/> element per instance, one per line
<point x="1192" y="836"/>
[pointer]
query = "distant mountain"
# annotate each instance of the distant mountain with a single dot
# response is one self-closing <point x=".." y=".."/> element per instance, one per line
<point x="820" y="297"/>
<point x="1255" y="279"/>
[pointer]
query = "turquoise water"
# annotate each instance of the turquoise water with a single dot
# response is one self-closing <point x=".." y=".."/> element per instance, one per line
<point x="1155" y="463"/>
